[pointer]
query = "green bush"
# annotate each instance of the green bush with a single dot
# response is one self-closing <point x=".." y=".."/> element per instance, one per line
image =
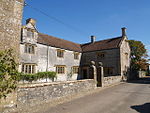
<point x="36" y="76"/>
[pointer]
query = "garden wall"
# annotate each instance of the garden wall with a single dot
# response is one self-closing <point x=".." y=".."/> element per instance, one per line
<point x="36" y="94"/>
<point x="107" y="81"/>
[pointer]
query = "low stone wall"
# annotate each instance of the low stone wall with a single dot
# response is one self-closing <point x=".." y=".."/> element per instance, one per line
<point x="107" y="81"/>
<point x="142" y="74"/>
<point x="35" y="94"/>
<point x="9" y="103"/>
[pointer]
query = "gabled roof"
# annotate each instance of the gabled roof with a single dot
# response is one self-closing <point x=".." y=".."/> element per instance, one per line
<point x="87" y="47"/>
<point x="57" y="42"/>
<point x="102" y="45"/>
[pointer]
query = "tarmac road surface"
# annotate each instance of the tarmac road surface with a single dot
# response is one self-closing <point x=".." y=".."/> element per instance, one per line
<point x="124" y="98"/>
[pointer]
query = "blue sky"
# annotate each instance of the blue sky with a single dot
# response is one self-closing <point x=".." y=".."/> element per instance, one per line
<point x="102" y="18"/>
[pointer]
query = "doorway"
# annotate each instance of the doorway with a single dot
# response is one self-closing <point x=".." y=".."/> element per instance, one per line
<point x="85" y="73"/>
<point x="99" y="77"/>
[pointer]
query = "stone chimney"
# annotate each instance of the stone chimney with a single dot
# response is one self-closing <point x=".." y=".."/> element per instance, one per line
<point x="123" y="31"/>
<point x="93" y="38"/>
<point x="31" y="20"/>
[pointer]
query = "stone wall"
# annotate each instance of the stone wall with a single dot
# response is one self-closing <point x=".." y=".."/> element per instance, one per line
<point x="141" y="74"/>
<point x="107" y="81"/>
<point x="32" y="95"/>
<point x="9" y="103"/>
<point x="10" y="24"/>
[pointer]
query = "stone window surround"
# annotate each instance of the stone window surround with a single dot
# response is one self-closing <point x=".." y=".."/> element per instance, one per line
<point x="76" y="55"/>
<point x="29" y="48"/>
<point x="60" y="53"/>
<point x="100" y="54"/>
<point x="28" y="68"/>
<point x="75" y="69"/>
<point x="60" y="69"/>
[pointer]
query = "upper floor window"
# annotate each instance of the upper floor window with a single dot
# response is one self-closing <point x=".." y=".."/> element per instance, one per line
<point x="75" y="69"/>
<point x="76" y="55"/>
<point x="60" y="53"/>
<point x="30" y="34"/>
<point x="28" y="68"/>
<point x="100" y="55"/>
<point x="29" y="49"/>
<point x="60" y="69"/>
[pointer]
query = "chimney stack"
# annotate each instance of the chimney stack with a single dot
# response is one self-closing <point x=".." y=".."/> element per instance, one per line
<point x="32" y="21"/>
<point x="123" y="31"/>
<point x="93" y="38"/>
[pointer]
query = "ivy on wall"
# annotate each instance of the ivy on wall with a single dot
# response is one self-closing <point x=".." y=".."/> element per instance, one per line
<point x="8" y="72"/>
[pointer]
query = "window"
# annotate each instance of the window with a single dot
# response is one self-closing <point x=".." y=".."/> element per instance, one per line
<point x="100" y="55"/>
<point x="76" y="55"/>
<point x="28" y="68"/>
<point x="126" y="55"/>
<point x="30" y="34"/>
<point x="108" y="71"/>
<point x="29" y="49"/>
<point x="60" y="53"/>
<point x="60" y="69"/>
<point x="75" y="69"/>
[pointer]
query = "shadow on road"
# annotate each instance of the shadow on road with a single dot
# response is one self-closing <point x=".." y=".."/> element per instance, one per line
<point x="145" y="80"/>
<point x="145" y="108"/>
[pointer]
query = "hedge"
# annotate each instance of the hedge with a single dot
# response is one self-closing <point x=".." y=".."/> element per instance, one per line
<point x="34" y="77"/>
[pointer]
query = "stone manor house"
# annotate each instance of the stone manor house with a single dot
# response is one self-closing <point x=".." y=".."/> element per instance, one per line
<point x="71" y="61"/>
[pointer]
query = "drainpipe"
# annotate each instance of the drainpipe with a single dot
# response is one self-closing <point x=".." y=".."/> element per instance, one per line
<point x="47" y="60"/>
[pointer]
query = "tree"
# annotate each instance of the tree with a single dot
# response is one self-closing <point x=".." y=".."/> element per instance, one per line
<point x="139" y="55"/>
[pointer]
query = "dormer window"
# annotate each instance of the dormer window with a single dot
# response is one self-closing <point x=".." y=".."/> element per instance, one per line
<point x="29" y="49"/>
<point x="30" y="34"/>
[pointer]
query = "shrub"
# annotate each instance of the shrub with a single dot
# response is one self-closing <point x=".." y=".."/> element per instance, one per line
<point x="36" y="76"/>
<point x="8" y="72"/>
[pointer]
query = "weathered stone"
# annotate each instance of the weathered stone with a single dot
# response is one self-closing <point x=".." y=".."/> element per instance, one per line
<point x="10" y="24"/>
<point x="28" y="96"/>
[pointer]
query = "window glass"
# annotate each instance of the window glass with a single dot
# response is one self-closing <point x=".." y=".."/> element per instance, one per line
<point x="28" y="68"/>
<point x="60" y="53"/>
<point x="75" y="69"/>
<point x="29" y="48"/>
<point x="60" y="69"/>
<point x="76" y="55"/>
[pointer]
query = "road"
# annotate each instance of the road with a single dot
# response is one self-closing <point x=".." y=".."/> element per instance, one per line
<point x="124" y="98"/>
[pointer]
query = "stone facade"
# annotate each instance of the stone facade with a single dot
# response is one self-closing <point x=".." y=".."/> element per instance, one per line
<point x="33" y="95"/>
<point x="10" y="24"/>
<point x="45" y="56"/>
<point x="117" y="59"/>
<point x="114" y="55"/>
<point x="111" y="59"/>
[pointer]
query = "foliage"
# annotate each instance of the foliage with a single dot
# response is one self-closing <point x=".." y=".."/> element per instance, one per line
<point x="8" y="72"/>
<point x="138" y="55"/>
<point x="36" y="76"/>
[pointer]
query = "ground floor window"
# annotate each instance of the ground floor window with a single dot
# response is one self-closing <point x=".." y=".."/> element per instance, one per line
<point x="60" y="69"/>
<point x="108" y="71"/>
<point x="75" y="69"/>
<point x="28" y="68"/>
